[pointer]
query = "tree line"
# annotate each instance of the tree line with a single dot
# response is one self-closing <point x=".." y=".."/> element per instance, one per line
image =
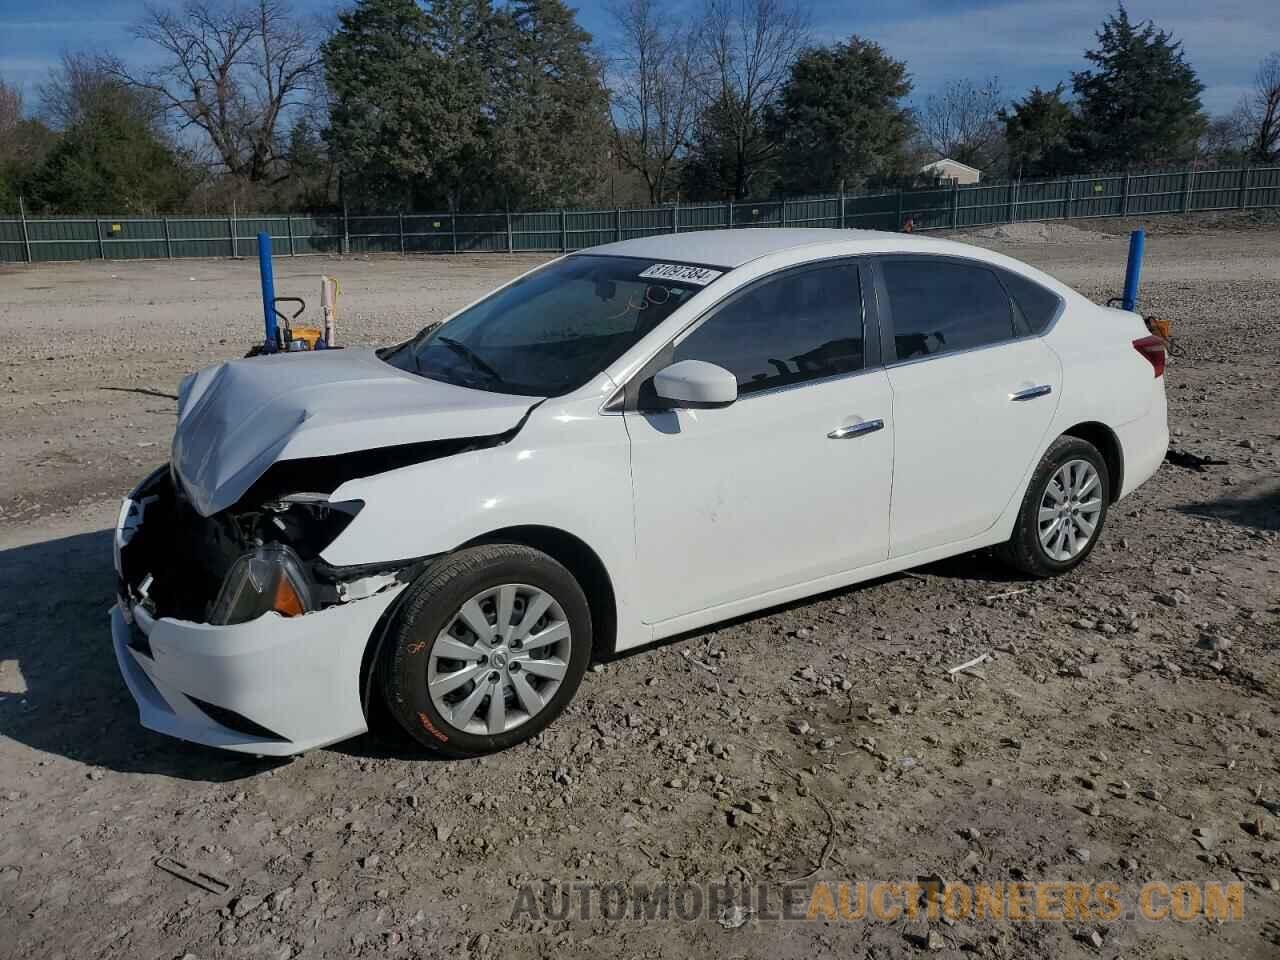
<point x="467" y="104"/>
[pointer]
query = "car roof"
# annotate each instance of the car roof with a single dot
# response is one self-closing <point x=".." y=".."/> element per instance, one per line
<point x="732" y="248"/>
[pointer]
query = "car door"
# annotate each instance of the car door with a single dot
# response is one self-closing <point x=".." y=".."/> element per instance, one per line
<point x="789" y="483"/>
<point x="973" y="396"/>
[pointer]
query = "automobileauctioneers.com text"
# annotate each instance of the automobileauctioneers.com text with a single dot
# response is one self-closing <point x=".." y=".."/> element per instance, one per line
<point x="883" y="901"/>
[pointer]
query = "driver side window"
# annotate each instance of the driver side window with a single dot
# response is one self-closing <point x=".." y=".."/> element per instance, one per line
<point x="805" y="324"/>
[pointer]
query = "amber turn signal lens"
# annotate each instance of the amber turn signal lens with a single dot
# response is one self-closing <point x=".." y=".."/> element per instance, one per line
<point x="269" y="578"/>
<point x="287" y="603"/>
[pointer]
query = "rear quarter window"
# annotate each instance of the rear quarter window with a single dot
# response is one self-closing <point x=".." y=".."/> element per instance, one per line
<point x="1039" y="305"/>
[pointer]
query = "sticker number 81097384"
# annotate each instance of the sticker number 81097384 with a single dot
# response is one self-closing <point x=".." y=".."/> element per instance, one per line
<point x="680" y="273"/>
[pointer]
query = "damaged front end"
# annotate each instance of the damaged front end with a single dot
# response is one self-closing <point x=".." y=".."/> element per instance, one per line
<point x="255" y="557"/>
<point x="231" y="630"/>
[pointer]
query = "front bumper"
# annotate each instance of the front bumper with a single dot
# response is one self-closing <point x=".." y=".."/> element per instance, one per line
<point x="274" y="686"/>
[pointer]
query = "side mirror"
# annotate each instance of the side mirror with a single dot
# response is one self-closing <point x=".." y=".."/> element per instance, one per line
<point x="695" y="384"/>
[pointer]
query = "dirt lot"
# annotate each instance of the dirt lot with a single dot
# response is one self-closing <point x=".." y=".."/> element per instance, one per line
<point x="1125" y="730"/>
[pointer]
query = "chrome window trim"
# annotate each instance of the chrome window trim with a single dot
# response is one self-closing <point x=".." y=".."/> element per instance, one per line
<point x="615" y="405"/>
<point x="784" y="387"/>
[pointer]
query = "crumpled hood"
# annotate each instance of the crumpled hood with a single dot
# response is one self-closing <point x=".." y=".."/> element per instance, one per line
<point x="237" y="418"/>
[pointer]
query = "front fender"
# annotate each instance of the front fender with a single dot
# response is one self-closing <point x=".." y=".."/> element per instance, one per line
<point x="569" y="468"/>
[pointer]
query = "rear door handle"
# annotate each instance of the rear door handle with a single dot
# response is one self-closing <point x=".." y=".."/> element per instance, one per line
<point x="1032" y="392"/>
<point x="856" y="429"/>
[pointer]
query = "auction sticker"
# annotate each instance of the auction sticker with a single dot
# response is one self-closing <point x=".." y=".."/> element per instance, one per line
<point x="680" y="273"/>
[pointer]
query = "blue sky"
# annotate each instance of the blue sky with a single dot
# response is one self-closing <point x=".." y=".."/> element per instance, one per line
<point x="1024" y="42"/>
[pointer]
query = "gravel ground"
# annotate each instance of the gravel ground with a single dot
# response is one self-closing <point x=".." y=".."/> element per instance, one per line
<point x="1125" y="729"/>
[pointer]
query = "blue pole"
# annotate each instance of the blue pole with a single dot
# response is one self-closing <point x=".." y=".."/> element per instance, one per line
<point x="1133" y="270"/>
<point x="268" y="291"/>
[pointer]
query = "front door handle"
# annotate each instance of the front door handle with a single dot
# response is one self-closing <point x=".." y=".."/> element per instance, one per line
<point x="856" y="429"/>
<point x="1032" y="392"/>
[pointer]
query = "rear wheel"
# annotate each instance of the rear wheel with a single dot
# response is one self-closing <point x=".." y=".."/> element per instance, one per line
<point x="488" y="648"/>
<point x="1063" y="511"/>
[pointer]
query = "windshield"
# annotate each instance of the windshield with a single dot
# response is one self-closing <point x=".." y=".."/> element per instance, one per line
<point x="552" y="331"/>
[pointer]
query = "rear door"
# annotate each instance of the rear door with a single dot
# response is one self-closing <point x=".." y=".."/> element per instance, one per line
<point x="973" y="395"/>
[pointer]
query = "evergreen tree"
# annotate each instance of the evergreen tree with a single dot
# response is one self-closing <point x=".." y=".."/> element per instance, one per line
<point x="466" y="35"/>
<point x="551" y="121"/>
<point x="110" y="161"/>
<point x="405" y="108"/>
<point x="841" y="118"/>
<point x="1038" y="132"/>
<point x="1140" y="104"/>
<point x="309" y="179"/>
<point x="455" y="104"/>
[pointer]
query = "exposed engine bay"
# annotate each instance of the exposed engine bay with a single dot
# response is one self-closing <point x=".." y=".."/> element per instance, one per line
<point x="255" y="556"/>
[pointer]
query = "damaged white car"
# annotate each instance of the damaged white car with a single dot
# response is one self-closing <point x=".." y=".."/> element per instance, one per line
<point x="624" y="444"/>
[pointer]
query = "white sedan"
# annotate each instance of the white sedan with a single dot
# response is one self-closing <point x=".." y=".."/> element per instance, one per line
<point x="624" y="444"/>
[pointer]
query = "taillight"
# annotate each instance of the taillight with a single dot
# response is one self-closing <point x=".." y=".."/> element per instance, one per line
<point x="1153" y="348"/>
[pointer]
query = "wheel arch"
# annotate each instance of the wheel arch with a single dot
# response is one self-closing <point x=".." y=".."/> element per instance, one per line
<point x="563" y="547"/>
<point x="1108" y="444"/>
<point x="579" y="559"/>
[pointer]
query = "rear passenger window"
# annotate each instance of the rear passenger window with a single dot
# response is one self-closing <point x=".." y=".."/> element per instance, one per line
<point x="1038" y="305"/>
<point x="803" y="325"/>
<point x="941" y="306"/>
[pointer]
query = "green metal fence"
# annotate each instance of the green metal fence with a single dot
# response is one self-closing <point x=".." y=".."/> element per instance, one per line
<point x="40" y="239"/>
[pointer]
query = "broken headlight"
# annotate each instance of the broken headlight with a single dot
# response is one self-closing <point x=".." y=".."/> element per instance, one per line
<point x="286" y="536"/>
<point x="308" y="522"/>
<point x="271" y="577"/>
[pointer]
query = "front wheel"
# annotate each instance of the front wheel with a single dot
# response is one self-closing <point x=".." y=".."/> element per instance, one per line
<point x="1063" y="511"/>
<point x="488" y="648"/>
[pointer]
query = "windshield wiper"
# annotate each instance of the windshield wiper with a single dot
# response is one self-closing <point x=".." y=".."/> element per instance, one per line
<point x="386" y="353"/>
<point x="462" y="350"/>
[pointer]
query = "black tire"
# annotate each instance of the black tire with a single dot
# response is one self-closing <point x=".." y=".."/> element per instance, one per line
<point x="1024" y="551"/>
<point x="429" y="606"/>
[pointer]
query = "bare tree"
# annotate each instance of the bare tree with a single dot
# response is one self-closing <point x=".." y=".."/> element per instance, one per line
<point x="24" y="141"/>
<point x="654" y="91"/>
<point x="750" y="46"/>
<point x="10" y="109"/>
<point x="234" y="71"/>
<point x="1225" y="139"/>
<point x="963" y="123"/>
<point x="1260" y="112"/>
<point x="84" y="83"/>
